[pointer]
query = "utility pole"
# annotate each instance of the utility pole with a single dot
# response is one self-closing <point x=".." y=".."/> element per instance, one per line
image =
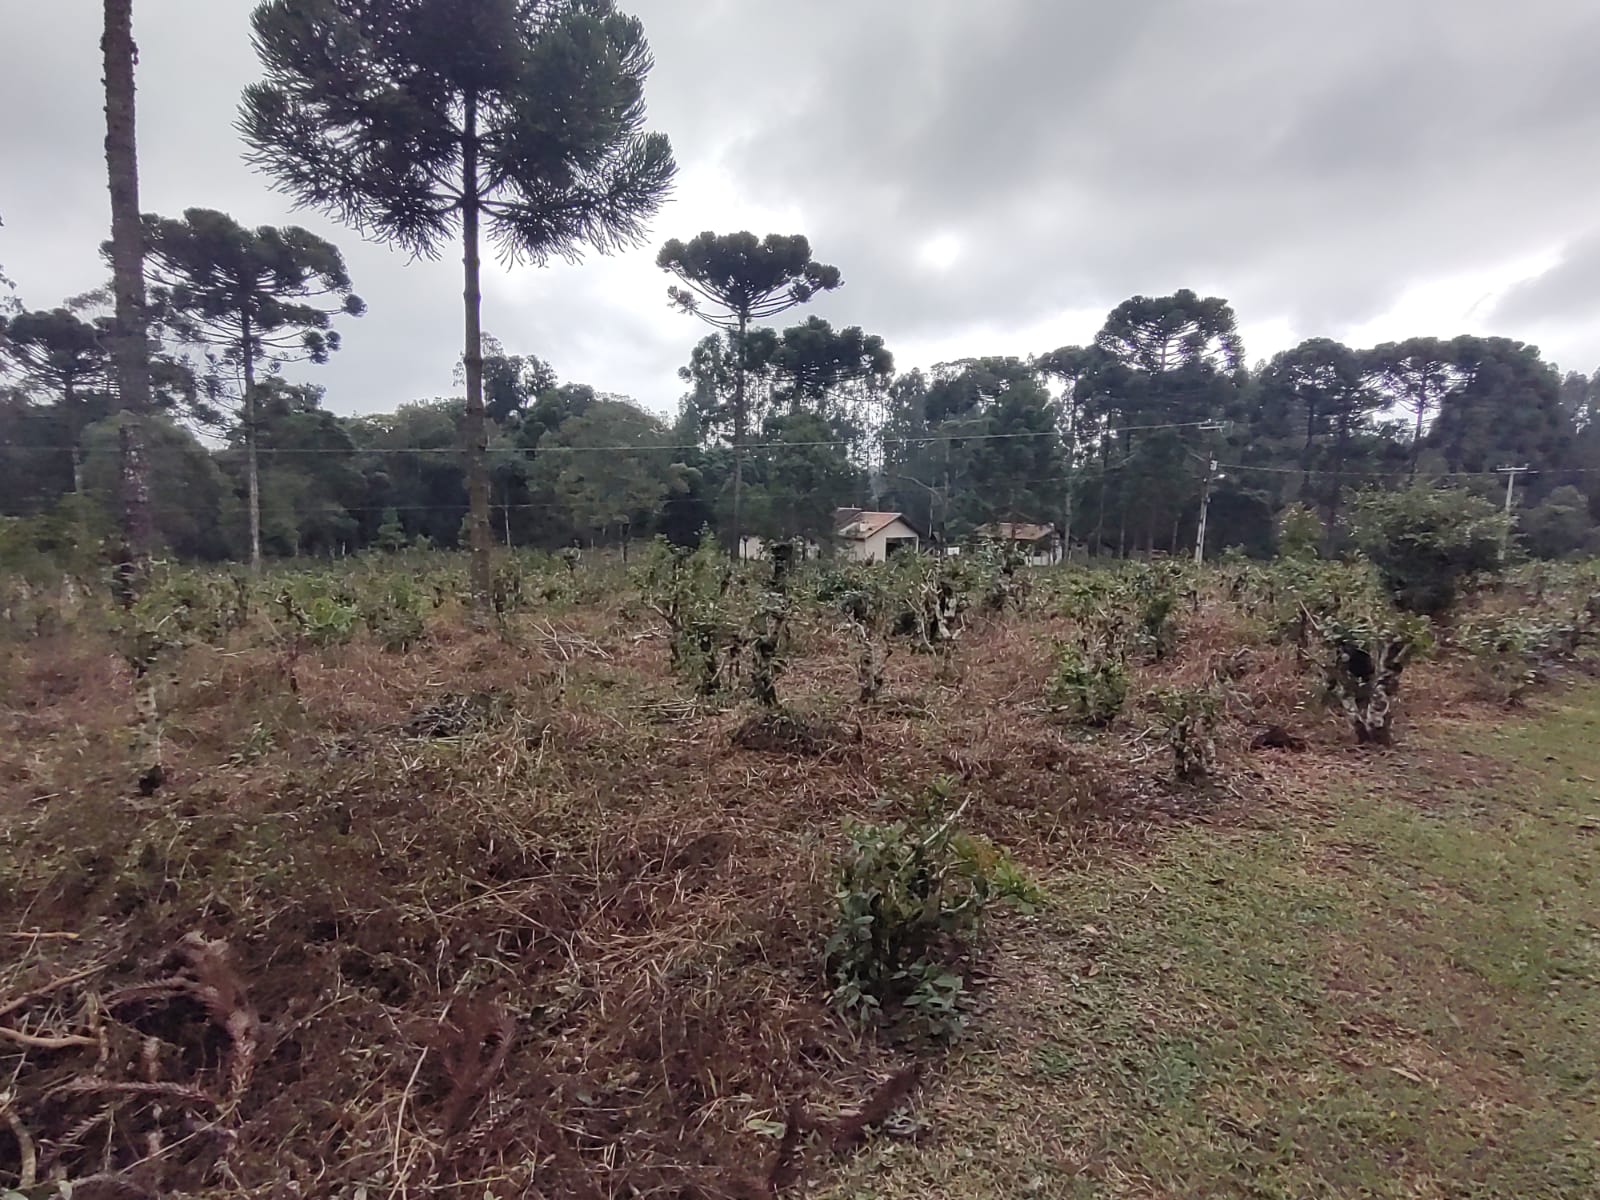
<point x="1511" y="474"/>
<point x="936" y="503"/>
<point x="1205" y="509"/>
<point x="1205" y="494"/>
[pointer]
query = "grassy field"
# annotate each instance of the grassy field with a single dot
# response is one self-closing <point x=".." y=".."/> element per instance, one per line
<point x="424" y="905"/>
<point x="1389" y="990"/>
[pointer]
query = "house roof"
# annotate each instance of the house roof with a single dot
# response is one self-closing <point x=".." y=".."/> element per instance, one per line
<point x="1016" y="531"/>
<point x="857" y="525"/>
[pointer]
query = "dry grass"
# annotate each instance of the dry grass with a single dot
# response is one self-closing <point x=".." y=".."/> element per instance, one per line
<point x="508" y="914"/>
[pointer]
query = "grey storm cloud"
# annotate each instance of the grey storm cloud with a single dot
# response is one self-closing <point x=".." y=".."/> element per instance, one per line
<point x="1314" y="159"/>
<point x="1567" y="293"/>
<point x="1311" y="162"/>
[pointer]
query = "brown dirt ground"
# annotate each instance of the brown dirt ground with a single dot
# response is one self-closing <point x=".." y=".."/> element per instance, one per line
<point x="572" y="949"/>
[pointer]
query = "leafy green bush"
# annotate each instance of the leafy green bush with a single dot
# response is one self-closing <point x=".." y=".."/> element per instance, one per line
<point x="1154" y="592"/>
<point x="391" y="609"/>
<point x="701" y="598"/>
<point x="934" y="593"/>
<point x="1091" y="597"/>
<point x="1089" y="684"/>
<point x="1566" y="596"/>
<point x="1293" y="592"/>
<point x="1005" y="582"/>
<point x="865" y="597"/>
<point x="1137" y="604"/>
<point x="1189" y="716"/>
<point x="317" y="614"/>
<point x="68" y="538"/>
<point x="1558" y="526"/>
<point x="911" y="897"/>
<point x="1300" y="532"/>
<point x="1504" y="653"/>
<point x="1426" y="542"/>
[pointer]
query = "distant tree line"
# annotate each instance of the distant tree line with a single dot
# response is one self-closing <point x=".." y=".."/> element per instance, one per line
<point x="1112" y="440"/>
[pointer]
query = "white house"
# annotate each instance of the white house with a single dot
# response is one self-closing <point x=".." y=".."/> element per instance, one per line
<point x="873" y="536"/>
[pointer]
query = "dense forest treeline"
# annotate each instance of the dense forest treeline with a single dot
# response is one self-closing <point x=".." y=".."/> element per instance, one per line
<point x="1113" y="438"/>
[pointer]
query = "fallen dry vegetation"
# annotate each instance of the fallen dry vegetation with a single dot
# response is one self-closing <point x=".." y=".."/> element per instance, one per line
<point x="514" y="911"/>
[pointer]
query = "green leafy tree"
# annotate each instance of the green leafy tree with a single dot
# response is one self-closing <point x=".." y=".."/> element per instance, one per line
<point x="254" y="298"/>
<point x="410" y="459"/>
<point x="1505" y="407"/>
<point x="1415" y="375"/>
<point x="391" y="533"/>
<point x="818" y="365"/>
<point x="60" y="353"/>
<point x="716" y="371"/>
<point x="1580" y="402"/>
<point x="511" y="382"/>
<point x="1425" y="542"/>
<point x="977" y="441"/>
<point x="1320" y="386"/>
<point x="803" y="477"/>
<point x="1077" y="369"/>
<point x="1167" y="364"/>
<point x="731" y="280"/>
<point x="313" y="498"/>
<point x="418" y="120"/>
<point x="1558" y="526"/>
<point x="914" y="478"/>
<point x="191" y="503"/>
<point x="603" y="488"/>
<point x="33" y="475"/>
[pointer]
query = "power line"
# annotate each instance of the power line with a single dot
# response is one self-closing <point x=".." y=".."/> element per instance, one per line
<point x="562" y="505"/>
<point x="1390" y="474"/>
<point x="841" y="443"/>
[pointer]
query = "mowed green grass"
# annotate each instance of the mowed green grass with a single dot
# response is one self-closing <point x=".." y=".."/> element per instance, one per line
<point x="1379" y="990"/>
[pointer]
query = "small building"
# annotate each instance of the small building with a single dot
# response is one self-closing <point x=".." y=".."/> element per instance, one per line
<point x="874" y="536"/>
<point x="1040" y="543"/>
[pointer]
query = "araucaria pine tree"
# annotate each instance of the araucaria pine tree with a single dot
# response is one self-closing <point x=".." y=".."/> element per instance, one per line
<point x="422" y="121"/>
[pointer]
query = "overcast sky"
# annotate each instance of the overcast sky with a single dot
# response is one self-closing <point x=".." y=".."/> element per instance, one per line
<point x="990" y="177"/>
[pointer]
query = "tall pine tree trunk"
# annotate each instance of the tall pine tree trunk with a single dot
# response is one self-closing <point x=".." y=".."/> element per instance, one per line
<point x="476" y="431"/>
<point x="740" y="422"/>
<point x="130" y="347"/>
<point x="1421" y="404"/>
<point x="251" y="466"/>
